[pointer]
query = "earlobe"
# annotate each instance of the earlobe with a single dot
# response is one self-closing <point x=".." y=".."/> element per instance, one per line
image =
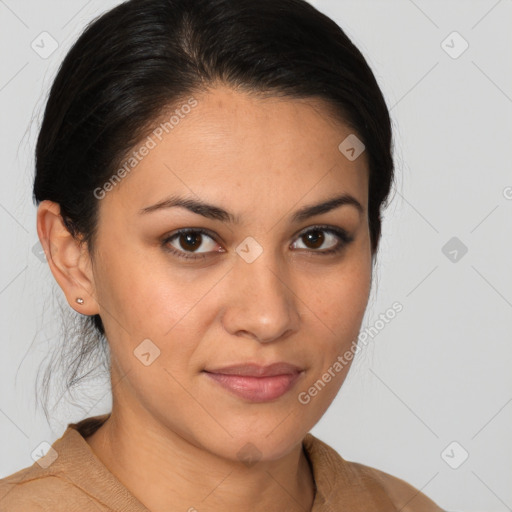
<point x="68" y="259"/>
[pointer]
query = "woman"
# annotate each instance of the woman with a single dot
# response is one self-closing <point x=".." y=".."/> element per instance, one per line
<point x="210" y="176"/>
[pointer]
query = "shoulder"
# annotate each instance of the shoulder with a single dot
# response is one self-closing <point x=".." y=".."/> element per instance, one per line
<point x="403" y="495"/>
<point x="353" y="483"/>
<point x="32" y="490"/>
<point x="63" y="480"/>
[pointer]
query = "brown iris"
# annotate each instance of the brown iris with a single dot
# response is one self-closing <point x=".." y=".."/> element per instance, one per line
<point x="190" y="241"/>
<point x="316" y="238"/>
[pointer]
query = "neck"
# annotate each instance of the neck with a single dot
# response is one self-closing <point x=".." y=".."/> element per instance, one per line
<point x="167" y="472"/>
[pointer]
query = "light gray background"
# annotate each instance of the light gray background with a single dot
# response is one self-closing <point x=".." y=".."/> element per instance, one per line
<point x="440" y="371"/>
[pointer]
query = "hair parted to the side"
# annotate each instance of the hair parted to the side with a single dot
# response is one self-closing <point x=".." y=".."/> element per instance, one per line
<point x="144" y="57"/>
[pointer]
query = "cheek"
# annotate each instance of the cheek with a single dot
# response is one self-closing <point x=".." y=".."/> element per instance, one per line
<point x="342" y="297"/>
<point x="152" y="330"/>
<point x="339" y="304"/>
<point x="147" y="294"/>
<point x="139" y="301"/>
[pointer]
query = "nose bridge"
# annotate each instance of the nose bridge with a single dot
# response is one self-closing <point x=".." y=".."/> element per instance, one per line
<point x="261" y="303"/>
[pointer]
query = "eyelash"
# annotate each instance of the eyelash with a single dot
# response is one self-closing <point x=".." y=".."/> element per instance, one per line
<point x="343" y="237"/>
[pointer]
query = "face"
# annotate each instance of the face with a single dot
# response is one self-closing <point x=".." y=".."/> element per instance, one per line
<point x="254" y="283"/>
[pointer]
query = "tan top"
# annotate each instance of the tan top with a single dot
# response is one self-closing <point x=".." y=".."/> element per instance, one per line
<point x="77" y="481"/>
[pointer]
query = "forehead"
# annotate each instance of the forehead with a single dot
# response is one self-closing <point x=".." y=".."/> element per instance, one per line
<point x="232" y="147"/>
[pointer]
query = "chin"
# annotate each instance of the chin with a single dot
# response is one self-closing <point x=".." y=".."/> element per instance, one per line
<point x="251" y="445"/>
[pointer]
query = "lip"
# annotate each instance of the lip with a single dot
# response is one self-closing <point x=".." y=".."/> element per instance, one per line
<point x="257" y="383"/>
<point x="256" y="370"/>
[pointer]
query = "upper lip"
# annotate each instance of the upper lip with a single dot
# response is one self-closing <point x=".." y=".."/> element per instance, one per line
<point x="256" y="370"/>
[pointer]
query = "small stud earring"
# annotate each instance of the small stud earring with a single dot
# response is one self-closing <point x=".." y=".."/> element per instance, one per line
<point x="80" y="300"/>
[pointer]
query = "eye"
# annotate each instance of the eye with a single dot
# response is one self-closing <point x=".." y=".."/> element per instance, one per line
<point x="186" y="242"/>
<point x="331" y="238"/>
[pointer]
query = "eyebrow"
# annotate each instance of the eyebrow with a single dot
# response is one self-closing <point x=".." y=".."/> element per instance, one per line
<point x="216" y="213"/>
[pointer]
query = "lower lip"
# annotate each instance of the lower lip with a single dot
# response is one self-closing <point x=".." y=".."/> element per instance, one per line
<point x="256" y="389"/>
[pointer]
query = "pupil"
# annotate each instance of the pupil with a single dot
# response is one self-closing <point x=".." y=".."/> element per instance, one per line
<point x="187" y="241"/>
<point x="316" y="238"/>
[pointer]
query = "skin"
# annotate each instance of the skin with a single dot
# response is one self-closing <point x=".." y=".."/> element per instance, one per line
<point x="174" y="434"/>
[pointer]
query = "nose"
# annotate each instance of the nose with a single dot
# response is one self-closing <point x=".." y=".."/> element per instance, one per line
<point x="261" y="303"/>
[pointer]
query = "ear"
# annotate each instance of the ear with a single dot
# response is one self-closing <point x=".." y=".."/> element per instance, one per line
<point x="69" y="260"/>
